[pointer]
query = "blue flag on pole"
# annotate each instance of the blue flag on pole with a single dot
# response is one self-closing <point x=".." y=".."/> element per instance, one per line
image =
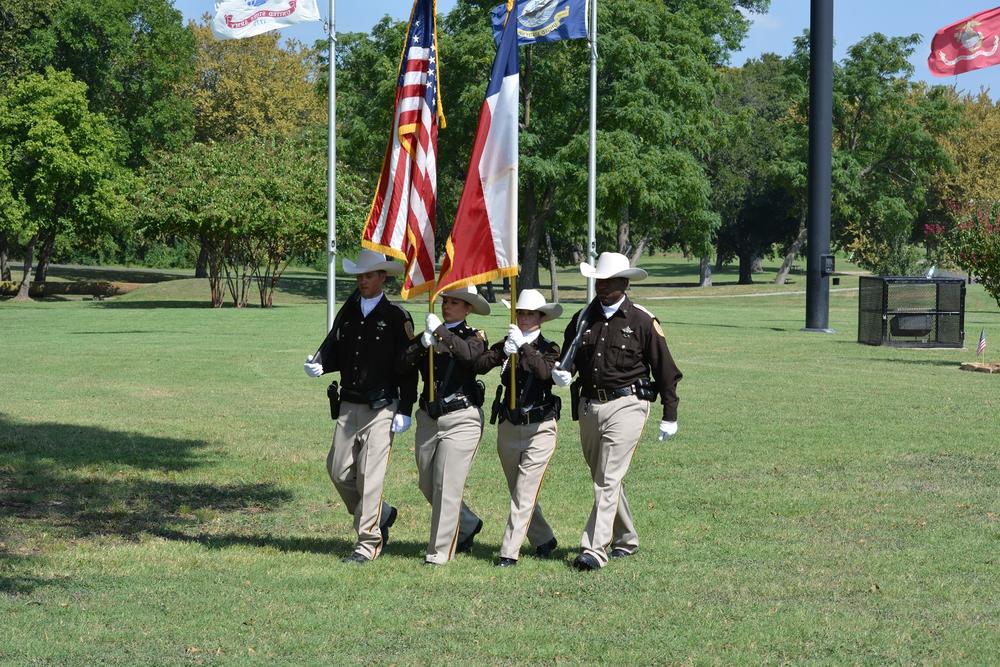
<point x="544" y="20"/>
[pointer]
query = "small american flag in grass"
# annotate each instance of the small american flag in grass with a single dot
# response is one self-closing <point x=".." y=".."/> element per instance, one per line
<point x="982" y="343"/>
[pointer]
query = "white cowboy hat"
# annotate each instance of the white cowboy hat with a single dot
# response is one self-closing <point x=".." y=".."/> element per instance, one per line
<point x="612" y="265"/>
<point x="470" y="295"/>
<point x="369" y="260"/>
<point x="532" y="299"/>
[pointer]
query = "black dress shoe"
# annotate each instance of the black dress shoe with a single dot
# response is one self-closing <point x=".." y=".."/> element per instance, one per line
<point x="385" y="525"/>
<point x="506" y="562"/>
<point x="586" y="562"/>
<point x="621" y="553"/>
<point x="466" y="544"/>
<point x="545" y="550"/>
<point x="355" y="557"/>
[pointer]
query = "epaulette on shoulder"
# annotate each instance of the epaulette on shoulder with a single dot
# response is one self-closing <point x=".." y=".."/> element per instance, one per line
<point x="638" y="307"/>
<point x="404" y="311"/>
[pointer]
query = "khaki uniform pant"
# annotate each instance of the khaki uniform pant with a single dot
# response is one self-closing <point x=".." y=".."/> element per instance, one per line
<point x="609" y="432"/>
<point x="357" y="463"/>
<point x="524" y="452"/>
<point x="444" y="450"/>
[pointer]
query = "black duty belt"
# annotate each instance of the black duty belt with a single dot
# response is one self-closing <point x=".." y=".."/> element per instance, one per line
<point x="533" y="415"/>
<point x="383" y="395"/>
<point x="439" y="407"/>
<point x="602" y="394"/>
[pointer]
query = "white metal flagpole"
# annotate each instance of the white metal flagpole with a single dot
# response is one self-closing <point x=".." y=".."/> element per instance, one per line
<point x="331" y="173"/>
<point x="592" y="180"/>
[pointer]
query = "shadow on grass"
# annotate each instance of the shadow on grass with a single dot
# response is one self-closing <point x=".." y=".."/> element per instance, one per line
<point x="922" y="362"/>
<point x="65" y="482"/>
<point x="153" y="303"/>
<point x="124" y="275"/>
<point x="292" y="544"/>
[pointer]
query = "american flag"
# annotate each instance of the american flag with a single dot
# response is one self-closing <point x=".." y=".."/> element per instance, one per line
<point x="401" y="221"/>
<point x="982" y="343"/>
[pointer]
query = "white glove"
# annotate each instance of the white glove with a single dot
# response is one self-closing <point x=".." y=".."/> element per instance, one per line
<point x="311" y="369"/>
<point x="667" y="429"/>
<point x="509" y="347"/>
<point x="426" y="339"/>
<point x="514" y="334"/>
<point x="400" y="423"/>
<point x="561" y="377"/>
<point x="432" y="322"/>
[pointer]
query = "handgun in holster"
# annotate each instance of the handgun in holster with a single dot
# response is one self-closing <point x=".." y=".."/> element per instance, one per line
<point x="574" y="397"/>
<point x="497" y="406"/>
<point x="334" y="396"/>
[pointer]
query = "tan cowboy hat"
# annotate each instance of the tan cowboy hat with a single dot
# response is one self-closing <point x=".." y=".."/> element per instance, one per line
<point x="369" y="260"/>
<point x="470" y="295"/>
<point x="612" y="265"/>
<point x="532" y="299"/>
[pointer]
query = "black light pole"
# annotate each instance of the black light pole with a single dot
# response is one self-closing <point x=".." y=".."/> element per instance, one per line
<point x="819" y="263"/>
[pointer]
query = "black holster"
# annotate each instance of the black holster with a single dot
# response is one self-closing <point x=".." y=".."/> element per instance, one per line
<point x="646" y="390"/>
<point x="497" y="405"/>
<point x="334" y="397"/>
<point x="574" y="397"/>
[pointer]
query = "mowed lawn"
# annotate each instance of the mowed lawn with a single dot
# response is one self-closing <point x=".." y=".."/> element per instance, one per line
<point x="163" y="499"/>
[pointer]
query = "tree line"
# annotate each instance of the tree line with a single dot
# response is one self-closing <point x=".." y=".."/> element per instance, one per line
<point x="128" y="136"/>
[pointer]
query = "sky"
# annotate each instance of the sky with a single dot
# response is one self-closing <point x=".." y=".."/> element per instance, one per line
<point x="774" y="31"/>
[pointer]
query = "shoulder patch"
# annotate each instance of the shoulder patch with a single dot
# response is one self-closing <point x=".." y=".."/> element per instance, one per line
<point x="638" y="307"/>
<point x="658" y="328"/>
<point x="481" y="333"/>
<point x="408" y="328"/>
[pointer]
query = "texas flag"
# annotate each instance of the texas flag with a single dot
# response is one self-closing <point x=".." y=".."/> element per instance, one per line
<point x="972" y="43"/>
<point x="483" y="241"/>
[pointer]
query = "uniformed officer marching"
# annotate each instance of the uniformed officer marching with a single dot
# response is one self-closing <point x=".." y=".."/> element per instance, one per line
<point x="449" y="427"/>
<point x="526" y="436"/>
<point x="366" y="346"/>
<point x="620" y="345"/>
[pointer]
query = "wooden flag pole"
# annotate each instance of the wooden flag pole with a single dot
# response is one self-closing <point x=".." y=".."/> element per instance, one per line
<point x="430" y="352"/>
<point x="513" y="357"/>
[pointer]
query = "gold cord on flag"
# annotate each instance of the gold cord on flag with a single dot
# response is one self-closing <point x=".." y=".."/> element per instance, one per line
<point x="430" y="351"/>
<point x="513" y="357"/>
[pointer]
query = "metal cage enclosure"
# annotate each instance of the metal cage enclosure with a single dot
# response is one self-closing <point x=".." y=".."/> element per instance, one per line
<point x="911" y="312"/>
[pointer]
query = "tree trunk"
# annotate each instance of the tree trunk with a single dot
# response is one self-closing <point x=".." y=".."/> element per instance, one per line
<point x="553" y="276"/>
<point x="4" y="262"/>
<point x="536" y="216"/>
<point x="624" y="247"/>
<point x="757" y="265"/>
<point x="705" y="272"/>
<point x="201" y="267"/>
<point x="491" y="296"/>
<point x="638" y="250"/>
<point x="44" y="257"/>
<point x="793" y="252"/>
<point x="719" y="264"/>
<point x="746" y="269"/>
<point x="29" y="256"/>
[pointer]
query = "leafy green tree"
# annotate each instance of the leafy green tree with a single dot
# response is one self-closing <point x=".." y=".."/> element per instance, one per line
<point x="251" y="87"/>
<point x="59" y="166"/>
<point x="135" y="57"/>
<point x="888" y="150"/>
<point x="253" y="204"/>
<point x="748" y="164"/>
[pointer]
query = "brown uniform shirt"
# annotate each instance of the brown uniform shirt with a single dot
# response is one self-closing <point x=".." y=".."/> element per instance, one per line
<point x="368" y="351"/>
<point x="536" y="358"/>
<point x="464" y="344"/>
<point x="627" y="347"/>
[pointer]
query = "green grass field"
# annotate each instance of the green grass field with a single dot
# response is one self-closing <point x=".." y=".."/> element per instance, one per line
<point x="163" y="498"/>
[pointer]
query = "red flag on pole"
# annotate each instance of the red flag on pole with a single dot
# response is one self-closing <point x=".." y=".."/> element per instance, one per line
<point x="401" y="220"/>
<point x="970" y="44"/>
